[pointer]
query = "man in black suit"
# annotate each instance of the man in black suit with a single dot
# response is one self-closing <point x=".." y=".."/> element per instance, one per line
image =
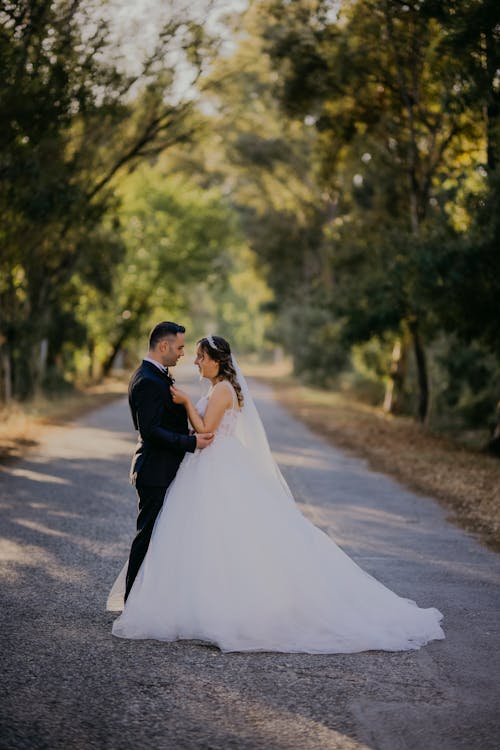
<point x="163" y="434"/>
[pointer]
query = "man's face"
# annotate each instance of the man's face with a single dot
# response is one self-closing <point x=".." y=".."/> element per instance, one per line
<point x="172" y="349"/>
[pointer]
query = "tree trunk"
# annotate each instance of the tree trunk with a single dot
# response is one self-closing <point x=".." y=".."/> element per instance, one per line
<point x="91" y="352"/>
<point x="397" y="376"/>
<point x="6" y="376"/>
<point x="492" y="106"/>
<point x="423" y="380"/>
<point x="127" y="328"/>
<point x="116" y="346"/>
<point x="494" y="443"/>
<point x="42" y="361"/>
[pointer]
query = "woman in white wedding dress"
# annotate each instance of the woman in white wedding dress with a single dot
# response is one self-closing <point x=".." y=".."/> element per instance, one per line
<point x="234" y="563"/>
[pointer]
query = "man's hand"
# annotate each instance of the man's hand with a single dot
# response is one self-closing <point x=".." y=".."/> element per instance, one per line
<point x="203" y="439"/>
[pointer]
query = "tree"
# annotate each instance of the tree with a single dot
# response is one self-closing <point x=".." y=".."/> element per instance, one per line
<point x="264" y="162"/>
<point x="393" y="104"/>
<point x="175" y="236"/>
<point x="75" y="120"/>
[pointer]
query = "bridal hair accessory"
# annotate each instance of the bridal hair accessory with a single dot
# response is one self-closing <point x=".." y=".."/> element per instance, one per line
<point x="212" y="343"/>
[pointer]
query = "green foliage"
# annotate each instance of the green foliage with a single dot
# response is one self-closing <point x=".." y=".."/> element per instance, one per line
<point x="338" y="195"/>
<point x="314" y="341"/>
<point x="175" y="236"/>
<point x="465" y="391"/>
<point x="75" y="119"/>
<point x="234" y="306"/>
<point x="468" y="300"/>
<point x="361" y="149"/>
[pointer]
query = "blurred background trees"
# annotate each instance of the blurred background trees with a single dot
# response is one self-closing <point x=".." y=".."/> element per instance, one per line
<point x="75" y="117"/>
<point x="315" y="175"/>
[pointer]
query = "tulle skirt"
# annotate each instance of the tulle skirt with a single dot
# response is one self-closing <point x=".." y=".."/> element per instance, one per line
<point x="233" y="562"/>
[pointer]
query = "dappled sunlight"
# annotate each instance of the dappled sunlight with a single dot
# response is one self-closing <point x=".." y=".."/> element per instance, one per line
<point x="16" y="559"/>
<point x="93" y="463"/>
<point x="69" y="510"/>
<point x="272" y="725"/>
<point x="65" y="542"/>
<point x="377" y="515"/>
<point x="474" y="571"/>
<point x="372" y="542"/>
<point x="317" y="457"/>
<point x="64" y="514"/>
<point x="311" y="461"/>
<point x="40" y="528"/>
<point x="81" y="443"/>
<point x="13" y="552"/>
<point x="370" y="533"/>
<point x="90" y="545"/>
<point x="33" y="476"/>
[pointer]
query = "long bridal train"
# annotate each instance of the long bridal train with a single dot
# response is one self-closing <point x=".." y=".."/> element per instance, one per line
<point x="234" y="563"/>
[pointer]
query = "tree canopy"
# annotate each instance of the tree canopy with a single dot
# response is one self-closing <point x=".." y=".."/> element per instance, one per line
<point x="328" y="181"/>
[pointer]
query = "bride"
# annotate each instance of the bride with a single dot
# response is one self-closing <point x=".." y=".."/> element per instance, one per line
<point x="233" y="562"/>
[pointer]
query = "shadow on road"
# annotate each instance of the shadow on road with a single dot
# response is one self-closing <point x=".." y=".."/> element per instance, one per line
<point x="67" y="519"/>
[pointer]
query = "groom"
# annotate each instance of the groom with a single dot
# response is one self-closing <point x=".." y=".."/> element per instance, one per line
<point x="163" y="434"/>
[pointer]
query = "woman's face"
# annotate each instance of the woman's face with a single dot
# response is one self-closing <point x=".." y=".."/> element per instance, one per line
<point x="207" y="366"/>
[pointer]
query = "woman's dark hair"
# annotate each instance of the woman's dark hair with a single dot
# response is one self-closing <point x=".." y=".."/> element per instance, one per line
<point x="162" y="330"/>
<point x="222" y="355"/>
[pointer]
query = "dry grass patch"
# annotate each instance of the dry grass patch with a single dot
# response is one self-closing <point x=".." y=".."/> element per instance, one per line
<point x="464" y="480"/>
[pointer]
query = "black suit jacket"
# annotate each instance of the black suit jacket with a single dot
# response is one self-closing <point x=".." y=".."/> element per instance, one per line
<point x="162" y="425"/>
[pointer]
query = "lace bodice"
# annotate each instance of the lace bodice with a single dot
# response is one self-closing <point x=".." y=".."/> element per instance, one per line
<point x="229" y="421"/>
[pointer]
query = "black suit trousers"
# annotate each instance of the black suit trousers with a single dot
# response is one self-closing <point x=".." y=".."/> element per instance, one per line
<point x="150" y="502"/>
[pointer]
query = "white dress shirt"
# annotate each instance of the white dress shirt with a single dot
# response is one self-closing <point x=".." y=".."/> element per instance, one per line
<point x="154" y="362"/>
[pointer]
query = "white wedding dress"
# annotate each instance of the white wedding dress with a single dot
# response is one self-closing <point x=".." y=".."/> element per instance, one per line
<point x="233" y="562"/>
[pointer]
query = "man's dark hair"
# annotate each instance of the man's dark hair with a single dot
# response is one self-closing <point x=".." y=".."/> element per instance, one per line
<point x="162" y="330"/>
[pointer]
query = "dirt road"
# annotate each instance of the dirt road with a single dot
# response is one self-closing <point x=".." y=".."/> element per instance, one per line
<point x="67" y="519"/>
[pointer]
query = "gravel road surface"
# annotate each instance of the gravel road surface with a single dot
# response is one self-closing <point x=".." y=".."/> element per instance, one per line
<point x="67" y="518"/>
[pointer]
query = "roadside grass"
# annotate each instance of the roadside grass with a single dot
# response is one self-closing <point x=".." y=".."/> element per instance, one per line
<point x="464" y="479"/>
<point x="22" y="424"/>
